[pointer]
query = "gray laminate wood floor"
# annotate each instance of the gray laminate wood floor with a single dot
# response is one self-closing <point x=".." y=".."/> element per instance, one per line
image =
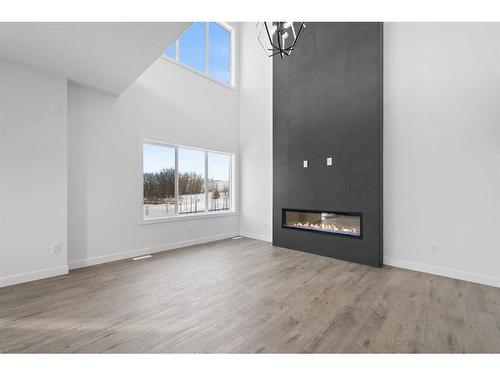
<point x="248" y="296"/>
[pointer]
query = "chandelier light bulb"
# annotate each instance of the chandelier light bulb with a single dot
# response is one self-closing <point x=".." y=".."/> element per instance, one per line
<point x="279" y="38"/>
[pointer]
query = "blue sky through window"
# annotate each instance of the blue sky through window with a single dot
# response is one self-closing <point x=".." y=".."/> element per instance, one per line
<point x="218" y="166"/>
<point x="191" y="160"/>
<point x="192" y="47"/>
<point x="156" y="158"/>
<point x="219" y="49"/>
<point x="170" y="51"/>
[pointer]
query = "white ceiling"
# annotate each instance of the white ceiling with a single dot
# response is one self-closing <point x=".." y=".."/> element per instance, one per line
<point x="105" y="56"/>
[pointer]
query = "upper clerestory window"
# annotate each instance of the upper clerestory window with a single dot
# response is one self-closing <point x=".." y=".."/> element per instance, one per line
<point x="205" y="47"/>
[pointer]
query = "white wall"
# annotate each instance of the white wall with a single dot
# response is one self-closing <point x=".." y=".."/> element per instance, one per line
<point x="33" y="174"/>
<point x="442" y="149"/>
<point x="169" y="102"/>
<point x="256" y="188"/>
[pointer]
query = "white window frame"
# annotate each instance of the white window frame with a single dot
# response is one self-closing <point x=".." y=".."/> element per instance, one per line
<point x="177" y="217"/>
<point x="205" y="74"/>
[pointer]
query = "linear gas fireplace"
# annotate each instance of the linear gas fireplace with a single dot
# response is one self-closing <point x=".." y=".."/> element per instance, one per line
<point x="339" y="223"/>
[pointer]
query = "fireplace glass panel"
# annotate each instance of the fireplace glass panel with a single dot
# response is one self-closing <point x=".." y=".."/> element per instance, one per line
<point x="346" y="224"/>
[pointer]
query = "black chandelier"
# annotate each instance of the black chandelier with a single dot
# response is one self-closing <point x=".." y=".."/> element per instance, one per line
<point x="279" y="38"/>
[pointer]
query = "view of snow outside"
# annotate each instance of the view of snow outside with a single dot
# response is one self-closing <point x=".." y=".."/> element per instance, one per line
<point x="159" y="181"/>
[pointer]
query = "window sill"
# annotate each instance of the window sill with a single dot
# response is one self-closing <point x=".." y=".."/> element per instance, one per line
<point x="203" y="215"/>
<point x="204" y="75"/>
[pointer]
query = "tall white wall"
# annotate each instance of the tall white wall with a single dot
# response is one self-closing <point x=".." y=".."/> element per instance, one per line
<point x="442" y="149"/>
<point x="256" y="189"/>
<point x="33" y="174"/>
<point x="169" y="102"/>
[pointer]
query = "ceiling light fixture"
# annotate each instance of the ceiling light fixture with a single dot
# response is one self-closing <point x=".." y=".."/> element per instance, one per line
<point x="279" y="38"/>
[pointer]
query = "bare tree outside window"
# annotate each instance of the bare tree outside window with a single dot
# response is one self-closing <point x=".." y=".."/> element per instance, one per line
<point x="191" y="180"/>
<point x="158" y="181"/>
<point x="202" y="178"/>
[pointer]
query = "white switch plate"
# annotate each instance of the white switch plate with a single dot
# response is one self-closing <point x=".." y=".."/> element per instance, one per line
<point x="434" y="249"/>
<point x="329" y="161"/>
<point x="305" y="163"/>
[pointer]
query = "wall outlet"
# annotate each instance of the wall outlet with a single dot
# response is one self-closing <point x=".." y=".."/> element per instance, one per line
<point x="434" y="249"/>
<point x="55" y="248"/>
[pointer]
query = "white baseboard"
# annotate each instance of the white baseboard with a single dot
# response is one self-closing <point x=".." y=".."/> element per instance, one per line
<point x="443" y="271"/>
<point x="150" y="250"/>
<point x="257" y="237"/>
<point x="32" y="276"/>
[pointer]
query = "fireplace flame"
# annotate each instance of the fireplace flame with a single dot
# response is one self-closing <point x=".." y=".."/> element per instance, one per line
<point x="327" y="228"/>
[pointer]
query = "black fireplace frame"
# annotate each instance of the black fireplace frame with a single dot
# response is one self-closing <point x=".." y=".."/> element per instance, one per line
<point x="357" y="214"/>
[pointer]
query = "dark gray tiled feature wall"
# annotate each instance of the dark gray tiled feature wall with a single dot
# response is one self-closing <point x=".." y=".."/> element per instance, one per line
<point x="328" y="102"/>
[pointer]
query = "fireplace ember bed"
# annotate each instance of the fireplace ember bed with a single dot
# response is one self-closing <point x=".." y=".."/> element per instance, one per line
<point x="330" y="222"/>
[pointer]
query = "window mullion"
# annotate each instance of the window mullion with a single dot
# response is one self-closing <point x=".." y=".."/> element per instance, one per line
<point x="206" y="181"/>
<point x="176" y="187"/>
<point x="177" y="50"/>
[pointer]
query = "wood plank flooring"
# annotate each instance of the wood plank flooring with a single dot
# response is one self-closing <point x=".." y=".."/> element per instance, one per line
<point x="246" y="296"/>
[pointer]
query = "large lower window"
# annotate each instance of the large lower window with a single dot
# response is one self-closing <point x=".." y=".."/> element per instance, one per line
<point x="180" y="181"/>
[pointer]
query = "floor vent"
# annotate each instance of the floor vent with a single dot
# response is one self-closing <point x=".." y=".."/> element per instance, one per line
<point x="142" y="257"/>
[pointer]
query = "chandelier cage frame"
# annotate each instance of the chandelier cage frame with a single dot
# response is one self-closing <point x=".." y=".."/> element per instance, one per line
<point x="276" y="33"/>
